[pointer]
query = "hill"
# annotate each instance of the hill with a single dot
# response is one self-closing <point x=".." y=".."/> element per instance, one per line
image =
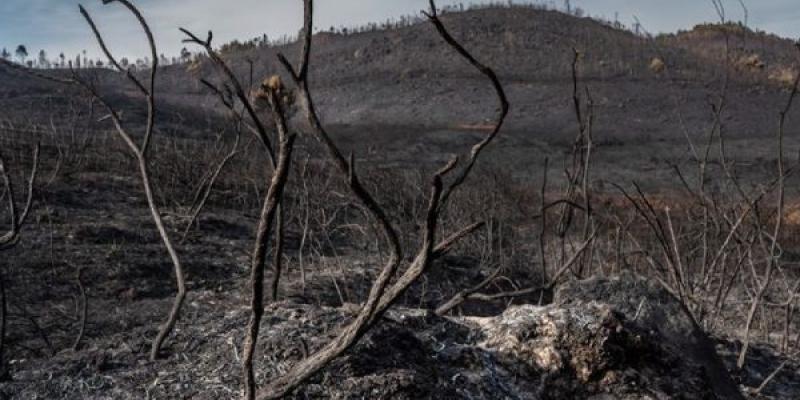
<point x="404" y="90"/>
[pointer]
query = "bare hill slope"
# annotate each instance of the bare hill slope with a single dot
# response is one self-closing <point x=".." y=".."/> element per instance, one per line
<point x="404" y="90"/>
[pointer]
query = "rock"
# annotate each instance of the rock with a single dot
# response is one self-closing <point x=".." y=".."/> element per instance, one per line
<point x="654" y="310"/>
<point x="579" y="351"/>
<point x="751" y="62"/>
<point x="783" y="76"/>
<point x="587" y="351"/>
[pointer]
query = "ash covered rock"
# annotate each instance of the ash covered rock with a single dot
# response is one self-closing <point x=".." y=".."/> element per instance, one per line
<point x="654" y="310"/>
<point x="589" y="352"/>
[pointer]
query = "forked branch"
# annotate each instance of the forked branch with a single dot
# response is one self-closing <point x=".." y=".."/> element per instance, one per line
<point x="140" y="152"/>
<point x="269" y="213"/>
<point x="10" y="238"/>
<point x="381" y="295"/>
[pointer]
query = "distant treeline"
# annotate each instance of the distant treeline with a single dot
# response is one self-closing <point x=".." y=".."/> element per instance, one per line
<point x="44" y="61"/>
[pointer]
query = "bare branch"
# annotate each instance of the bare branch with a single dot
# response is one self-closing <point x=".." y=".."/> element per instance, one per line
<point x="462" y="175"/>
<point x="261" y="130"/>
<point x="10" y="238"/>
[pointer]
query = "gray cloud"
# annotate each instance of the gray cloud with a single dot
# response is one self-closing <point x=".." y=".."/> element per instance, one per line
<point x="56" y="25"/>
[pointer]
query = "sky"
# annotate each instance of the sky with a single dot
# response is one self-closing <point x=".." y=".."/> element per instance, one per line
<point x="56" y="25"/>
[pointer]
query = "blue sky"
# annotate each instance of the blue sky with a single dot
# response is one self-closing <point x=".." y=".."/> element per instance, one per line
<point x="56" y="25"/>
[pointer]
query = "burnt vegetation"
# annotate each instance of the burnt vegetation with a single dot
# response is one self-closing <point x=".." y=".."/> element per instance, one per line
<point x="496" y="201"/>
